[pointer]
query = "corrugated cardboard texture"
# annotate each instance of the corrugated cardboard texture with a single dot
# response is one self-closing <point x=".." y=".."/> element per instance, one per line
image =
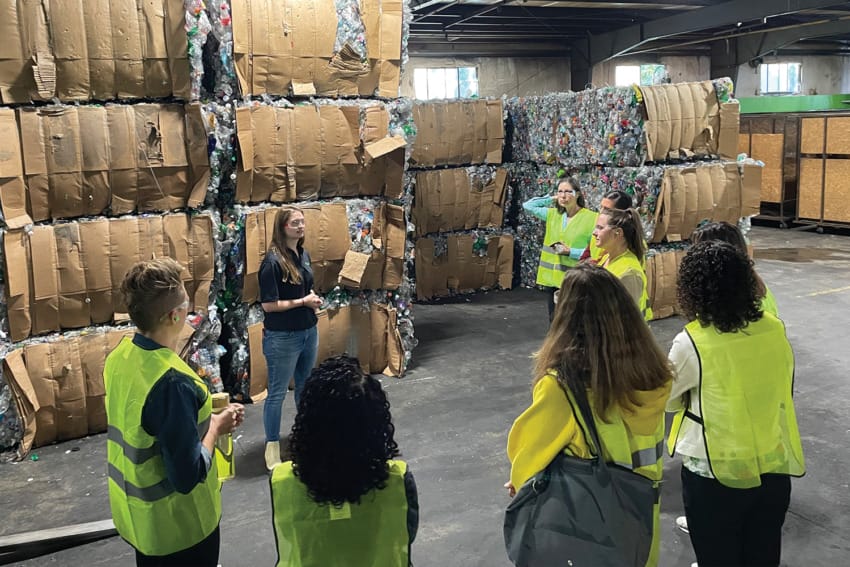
<point x="284" y="47"/>
<point x="372" y="336"/>
<point x="461" y="269"/>
<point x="309" y="152"/>
<point x="448" y="200"/>
<point x="662" y="273"/>
<point x="687" y="118"/>
<point x="705" y="192"/>
<point x="71" y="161"/>
<point x="328" y="241"/>
<point x="58" y="385"/>
<point x="458" y="133"/>
<point x="93" y="50"/>
<point x="68" y="275"/>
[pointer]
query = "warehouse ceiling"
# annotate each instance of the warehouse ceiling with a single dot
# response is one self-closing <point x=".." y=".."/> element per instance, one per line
<point x="600" y="30"/>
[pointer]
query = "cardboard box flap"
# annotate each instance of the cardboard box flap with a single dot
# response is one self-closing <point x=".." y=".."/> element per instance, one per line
<point x="43" y="247"/>
<point x="751" y="190"/>
<point x="26" y="402"/>
<point x="384" y="146"/>
<point x="395" y="231"/>
<point x="258" y="372"/>
<point x="245" y="138"/>
<point x="11" y="164"/>
<point x="353" y="269"/>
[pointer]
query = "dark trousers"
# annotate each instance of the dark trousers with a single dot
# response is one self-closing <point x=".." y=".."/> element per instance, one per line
<point x="203" y="554"/>
<point x="731" y="527"/>
<point x="550" y="301"/>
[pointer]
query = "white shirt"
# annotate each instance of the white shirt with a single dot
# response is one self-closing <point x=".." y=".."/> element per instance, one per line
<point x="690" y="444"/>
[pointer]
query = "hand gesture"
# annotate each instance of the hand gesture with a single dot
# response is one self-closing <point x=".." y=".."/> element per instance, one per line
<point x="312" y="300"/>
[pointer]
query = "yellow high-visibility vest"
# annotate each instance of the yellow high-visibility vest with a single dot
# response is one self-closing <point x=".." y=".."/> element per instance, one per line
<point x="147" y="510"/>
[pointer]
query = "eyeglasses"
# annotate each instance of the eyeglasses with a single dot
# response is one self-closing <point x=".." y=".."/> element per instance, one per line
<point x="295" y="224"/>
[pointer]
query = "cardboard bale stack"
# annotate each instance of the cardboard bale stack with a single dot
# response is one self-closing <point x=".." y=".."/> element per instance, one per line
<point x="458" y="212"/>
<point x="342" y="161"/>
<point x="670" y="147"/>
<point x="88" y="189"/>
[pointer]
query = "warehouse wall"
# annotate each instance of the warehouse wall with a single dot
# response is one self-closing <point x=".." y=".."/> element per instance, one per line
<point x="680" y="69"/>
<point x="497" y="76"/>
<point x="821" y="75"/>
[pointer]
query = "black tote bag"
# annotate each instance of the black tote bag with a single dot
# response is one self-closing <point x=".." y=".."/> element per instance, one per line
<point x="582" y="512"/>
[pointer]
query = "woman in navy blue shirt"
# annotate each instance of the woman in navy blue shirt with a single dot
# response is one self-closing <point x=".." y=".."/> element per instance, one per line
<point x="290" y="338"/>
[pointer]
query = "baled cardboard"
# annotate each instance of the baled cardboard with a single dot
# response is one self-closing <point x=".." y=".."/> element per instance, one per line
<point x="93" y="50"/>
<point x="458" y="133"/>
<point x="696" y="193"/>
<point x="370" y="335"/>
<point x="328" y="241"/>
<point x="89" y="160"/>
<point x="685" y="118"/>
<point x="67" y="276"/>
<point x="448" y="200"/>
<point x="461" y="269"/>
<point x="58" y="385"/>
<point x="310" y="152"/>
<point x="662" y="272"/>
<point x="294" y="52"/>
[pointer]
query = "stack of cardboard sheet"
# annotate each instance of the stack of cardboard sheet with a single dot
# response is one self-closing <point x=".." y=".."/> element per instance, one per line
<point x="88" y="189"/>
<point x="340" y="160"/>
<point x="458" y="212"/>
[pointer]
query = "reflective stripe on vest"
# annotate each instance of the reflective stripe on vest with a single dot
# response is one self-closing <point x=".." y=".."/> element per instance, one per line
<point x="550" y="271"/>
<point x="146" y="508"/>
<point x="642" y="454"/>
<point x="745" y="395"/>
<point x="624" y="263"/>
<point x="371" y="533"/>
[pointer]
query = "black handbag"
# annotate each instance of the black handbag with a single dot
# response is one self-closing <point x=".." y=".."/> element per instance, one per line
<point x="582" y="512"/>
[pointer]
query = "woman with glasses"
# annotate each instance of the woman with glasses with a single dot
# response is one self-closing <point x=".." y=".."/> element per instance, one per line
<point x="568" y="229"/>
<point x="290" y="338"/>
<point x="164" y="491"/>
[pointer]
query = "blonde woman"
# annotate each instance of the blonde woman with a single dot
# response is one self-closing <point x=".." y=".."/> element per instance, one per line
<point x="290" y="338"/>
<point x="164" y="491"/>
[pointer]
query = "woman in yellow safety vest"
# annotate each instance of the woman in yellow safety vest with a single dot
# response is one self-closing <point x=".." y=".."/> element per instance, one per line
<point x="344" y="500"/>
<point x="568" y="229"/>
<point x="619" y="234"/>
<point x="727" y="232"/>
<point x="599" y="343"/>
<point x="164" y="491"/>
<point x="611" y="200"/>
<point x="735" y="425"/>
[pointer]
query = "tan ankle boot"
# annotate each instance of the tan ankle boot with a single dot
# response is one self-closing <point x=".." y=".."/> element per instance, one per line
<point x="272" y="454"/>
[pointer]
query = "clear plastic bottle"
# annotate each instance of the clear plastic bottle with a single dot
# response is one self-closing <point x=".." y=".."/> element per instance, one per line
<point x="225" y="458"/>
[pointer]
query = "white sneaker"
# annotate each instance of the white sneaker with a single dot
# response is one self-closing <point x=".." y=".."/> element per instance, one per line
<point x="694" y="564"/>
<point x="272" y="454"/>
<point x="682" y="524"/>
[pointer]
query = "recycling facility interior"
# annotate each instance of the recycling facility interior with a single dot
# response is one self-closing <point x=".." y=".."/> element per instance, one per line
<point x="409" y="134"/>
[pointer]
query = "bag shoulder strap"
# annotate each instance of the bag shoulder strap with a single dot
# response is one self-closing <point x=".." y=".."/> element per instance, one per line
<point x="587" y="417"/>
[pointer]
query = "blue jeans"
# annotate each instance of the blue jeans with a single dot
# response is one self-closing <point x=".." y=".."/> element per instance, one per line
<point x="288" y="354"/>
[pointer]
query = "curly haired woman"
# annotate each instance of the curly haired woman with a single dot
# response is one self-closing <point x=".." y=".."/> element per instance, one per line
<point x="735" y="424"/>
<point x="343" y="500"/>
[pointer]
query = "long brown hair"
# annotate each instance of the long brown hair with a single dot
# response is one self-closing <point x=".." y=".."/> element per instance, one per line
<point x="599" y="340"/>
<point x="291" y="272"/>
<point x="629" y="222"/>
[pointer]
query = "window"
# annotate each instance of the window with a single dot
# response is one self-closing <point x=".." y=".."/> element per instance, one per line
<point x="644" y="75"/>
<point x="781" y="78"/>
<point x="446" y="82"/>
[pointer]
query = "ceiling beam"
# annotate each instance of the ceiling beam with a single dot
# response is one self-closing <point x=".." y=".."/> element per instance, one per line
<point x="621" y="42"/>
<point x="490" y="49"/>
<point x="475" y="14"/>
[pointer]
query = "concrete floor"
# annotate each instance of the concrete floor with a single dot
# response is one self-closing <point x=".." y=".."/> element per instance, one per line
<point x="469" y="380"/>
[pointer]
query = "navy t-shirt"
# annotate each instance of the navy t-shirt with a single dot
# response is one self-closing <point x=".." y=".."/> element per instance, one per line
<point x="273" y="288"/>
